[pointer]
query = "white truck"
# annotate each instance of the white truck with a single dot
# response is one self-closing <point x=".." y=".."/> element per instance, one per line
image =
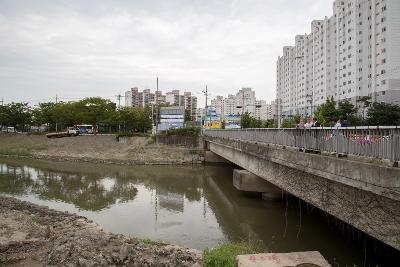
<point x="71" y="131"/>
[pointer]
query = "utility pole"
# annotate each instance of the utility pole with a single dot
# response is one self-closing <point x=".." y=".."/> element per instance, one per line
<point x="1" y="123"/>
<point x="56" y="118"/>
<point x="157" y="106"/>
<point x="206" y="94"/>
<point x="119" y="96"/>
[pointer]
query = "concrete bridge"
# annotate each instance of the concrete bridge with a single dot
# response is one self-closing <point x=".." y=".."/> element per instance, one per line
<point x="351" y="173"/>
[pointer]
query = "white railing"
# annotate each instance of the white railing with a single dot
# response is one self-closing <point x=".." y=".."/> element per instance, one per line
<point x="374" y="142"/>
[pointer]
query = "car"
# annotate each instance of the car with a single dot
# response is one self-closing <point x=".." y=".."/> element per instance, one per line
<point x="72" y="131"/>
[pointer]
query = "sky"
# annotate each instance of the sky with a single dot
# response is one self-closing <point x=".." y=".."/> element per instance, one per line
<point x="78" y="48"/>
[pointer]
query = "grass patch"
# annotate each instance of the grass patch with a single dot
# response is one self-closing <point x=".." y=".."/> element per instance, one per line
<point x="225" y="254"/>
<point x="151" y="140"/>
<point x="22" y="149"/>
<point x="150" y="242"/>
<point x="36" y="220"/>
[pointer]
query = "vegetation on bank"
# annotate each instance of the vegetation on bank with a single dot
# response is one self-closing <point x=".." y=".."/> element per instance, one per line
<point x="189" y="131"/>
<point x="21" y="146"/>
<point x="224" y="255"/>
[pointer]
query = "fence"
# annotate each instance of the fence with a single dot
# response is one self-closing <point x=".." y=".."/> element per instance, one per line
<point x="373" y="142"/>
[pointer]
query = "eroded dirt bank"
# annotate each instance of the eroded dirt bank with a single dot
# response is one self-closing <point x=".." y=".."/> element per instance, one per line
<point x="32" y="235"/>
<point x="97" y="149"/>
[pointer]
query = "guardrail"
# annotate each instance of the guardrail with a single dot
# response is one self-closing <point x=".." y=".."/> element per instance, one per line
<point x="373" y="142"/>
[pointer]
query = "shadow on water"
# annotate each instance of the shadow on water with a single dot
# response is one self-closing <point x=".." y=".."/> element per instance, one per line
<point x="192" y="206"/>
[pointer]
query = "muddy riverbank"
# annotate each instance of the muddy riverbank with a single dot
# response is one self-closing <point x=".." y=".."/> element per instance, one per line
<point x="32" y="235"/>
<point x="97" y="149"/>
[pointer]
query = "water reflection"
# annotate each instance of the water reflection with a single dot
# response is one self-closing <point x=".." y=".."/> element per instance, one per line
<point x="89" y="191"/>
<point x="192" y="206"/>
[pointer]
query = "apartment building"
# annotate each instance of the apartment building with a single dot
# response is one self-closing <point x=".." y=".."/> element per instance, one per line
<point x="272" y="111"/>
<point x="218" y="104"/>
<point x="353" y="53"/>
<point x="244" y="101"/>
<point x="173" y="98"/>
<point x="135" y="98"/>
<point x="229" y="105"/>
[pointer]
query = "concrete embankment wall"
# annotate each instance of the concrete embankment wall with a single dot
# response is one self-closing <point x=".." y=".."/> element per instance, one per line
<point x="371" y="212"/>
<point x="189" y="141"/>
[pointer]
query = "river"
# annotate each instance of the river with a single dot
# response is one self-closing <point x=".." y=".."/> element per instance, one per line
<point x="196" y="207"/>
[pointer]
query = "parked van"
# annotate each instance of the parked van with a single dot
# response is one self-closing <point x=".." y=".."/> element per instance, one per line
<point x="10" y="129"/>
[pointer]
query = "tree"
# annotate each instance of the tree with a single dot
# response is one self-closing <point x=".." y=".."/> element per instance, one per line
<point x="43" y="114"/>
<point x="269" y="124"/>
<point x="348" y="110"/>
<point x="382" y="114"/>
<point x="327" y="112"/>
<point x="188" y="115"/>
<point x="246" y="121"/>
<point x="95" y="110"/>
<point x="291" y="122"/>
<point x="18" y="115"/>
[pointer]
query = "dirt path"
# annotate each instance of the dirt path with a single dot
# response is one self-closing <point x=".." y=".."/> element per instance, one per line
<point x="31" y="235"/>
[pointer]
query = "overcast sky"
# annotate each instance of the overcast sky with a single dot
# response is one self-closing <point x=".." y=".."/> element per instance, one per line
<point x="101" y="48"/>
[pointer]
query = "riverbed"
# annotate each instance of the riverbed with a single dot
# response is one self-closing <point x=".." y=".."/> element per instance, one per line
<point x="191" y="206"/>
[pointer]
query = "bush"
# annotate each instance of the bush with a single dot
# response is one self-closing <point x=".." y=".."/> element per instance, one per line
<point x="225" y="255"/>
<point x="191" y="131"/>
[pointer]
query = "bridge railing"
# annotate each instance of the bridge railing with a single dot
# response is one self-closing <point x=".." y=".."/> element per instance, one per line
<point x="373" y="142"/>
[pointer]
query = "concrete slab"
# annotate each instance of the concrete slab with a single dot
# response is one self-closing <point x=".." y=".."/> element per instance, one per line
<point x="295" y="259"/>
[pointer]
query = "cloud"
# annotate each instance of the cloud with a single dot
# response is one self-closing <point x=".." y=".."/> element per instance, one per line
<point x="77" y="49"/>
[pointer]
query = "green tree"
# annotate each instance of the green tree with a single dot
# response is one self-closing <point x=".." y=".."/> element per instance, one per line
<point x="269" y="124"/>
<point x="246" y="121"/>
<point x="291" y="122"/>
<point x="18" y="115"/>
<point x="188" y="115"/>
<point x="382" y="114"/>
<point x="347" y="110"/>
<point x="95" y="110"/>
<point x="327" y="112"/>
<point x="43" y="114"/>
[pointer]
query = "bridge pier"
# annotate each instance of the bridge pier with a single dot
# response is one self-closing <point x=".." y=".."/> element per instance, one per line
<point x="246" y="181"/>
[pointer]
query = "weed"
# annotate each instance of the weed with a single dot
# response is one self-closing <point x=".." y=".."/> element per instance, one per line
<point x="152" y="242"/>
<point x="225" y="254"/>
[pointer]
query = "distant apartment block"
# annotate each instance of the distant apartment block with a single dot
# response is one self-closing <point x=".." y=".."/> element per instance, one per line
<point x="352" y="54"/>
<point x="244" y="101"/>
<point x="135" y="98"/>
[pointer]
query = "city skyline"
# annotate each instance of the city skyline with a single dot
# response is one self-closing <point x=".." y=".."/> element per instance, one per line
<point x="74" y="49"/>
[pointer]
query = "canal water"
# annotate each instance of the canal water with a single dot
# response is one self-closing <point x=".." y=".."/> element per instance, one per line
<point x="191" y="206"/>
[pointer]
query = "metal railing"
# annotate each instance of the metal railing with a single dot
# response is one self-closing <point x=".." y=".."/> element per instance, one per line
<point x="373" y="142"/>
